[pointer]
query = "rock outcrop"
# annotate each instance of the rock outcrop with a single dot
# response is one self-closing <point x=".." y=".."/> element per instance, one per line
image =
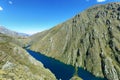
<point x="90" y="40"/>
<point x="17" y="64"/>
<point x="75" y="78"/>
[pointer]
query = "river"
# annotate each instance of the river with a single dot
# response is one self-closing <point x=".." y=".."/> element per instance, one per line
<point x="62" y="71"/>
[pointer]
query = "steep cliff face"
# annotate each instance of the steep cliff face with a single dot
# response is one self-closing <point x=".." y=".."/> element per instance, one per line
<point x="17" y="64"/>
<point x="90" y="40"/>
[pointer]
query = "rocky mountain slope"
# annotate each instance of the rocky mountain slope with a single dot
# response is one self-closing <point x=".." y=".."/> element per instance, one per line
<point x="90" y="40"/>
<point x="17" y="64"/>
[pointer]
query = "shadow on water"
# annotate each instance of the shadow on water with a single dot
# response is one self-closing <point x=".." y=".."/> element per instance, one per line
<point x="61" y="70"/>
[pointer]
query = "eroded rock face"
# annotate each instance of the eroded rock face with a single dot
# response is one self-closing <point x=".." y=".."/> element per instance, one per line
<point x="90" y="40"/>
<point x="109" y="69"/>
<point x="17" y="64"/>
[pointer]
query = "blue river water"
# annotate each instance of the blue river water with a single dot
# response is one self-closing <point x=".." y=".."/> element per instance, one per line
<point x="61" y="70"/>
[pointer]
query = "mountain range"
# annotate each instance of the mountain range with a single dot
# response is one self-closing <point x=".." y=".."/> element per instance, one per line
<point x="12" y="33"/>
<point x="90" y="40"/>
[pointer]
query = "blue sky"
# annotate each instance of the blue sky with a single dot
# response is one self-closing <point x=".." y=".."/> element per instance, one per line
<point x="30" y="16"/>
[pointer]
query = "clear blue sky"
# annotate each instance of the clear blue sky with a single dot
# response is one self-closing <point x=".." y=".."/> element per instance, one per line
<point x="30" y="16"/>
